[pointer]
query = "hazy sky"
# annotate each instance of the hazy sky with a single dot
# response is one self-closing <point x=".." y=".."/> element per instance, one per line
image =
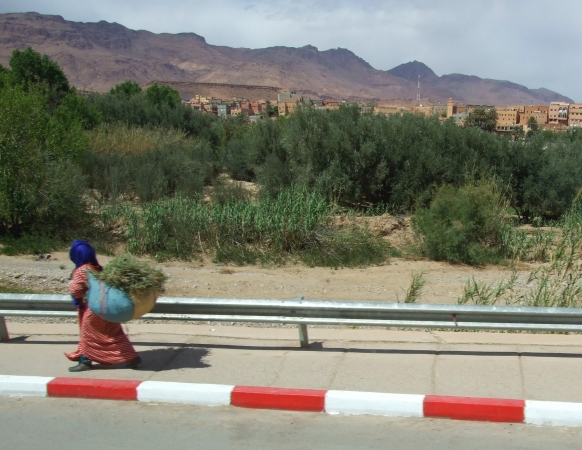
<point x="532" y="42"/>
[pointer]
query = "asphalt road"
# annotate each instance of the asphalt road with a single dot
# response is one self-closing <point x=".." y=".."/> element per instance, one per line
<point x="94" y="424"/>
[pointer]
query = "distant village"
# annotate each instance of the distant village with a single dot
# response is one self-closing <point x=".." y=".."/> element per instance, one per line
<point x="557" y="116"/>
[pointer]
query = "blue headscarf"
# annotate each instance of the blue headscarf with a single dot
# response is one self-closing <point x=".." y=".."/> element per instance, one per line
<point x="82" y="252"/>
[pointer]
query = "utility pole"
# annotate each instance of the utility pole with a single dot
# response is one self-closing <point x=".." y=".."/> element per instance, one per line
<point x="418" y="93"/>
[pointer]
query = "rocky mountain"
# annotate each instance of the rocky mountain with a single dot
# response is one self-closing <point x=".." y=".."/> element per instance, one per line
<point x="96" y="56"/>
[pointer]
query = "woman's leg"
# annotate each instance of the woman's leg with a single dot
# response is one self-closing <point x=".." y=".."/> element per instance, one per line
<point x="105" y="342"/>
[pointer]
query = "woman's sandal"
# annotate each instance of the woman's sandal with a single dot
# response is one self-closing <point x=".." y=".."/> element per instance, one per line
<point x="134" y="363"/>
<point x="81" y="367"/>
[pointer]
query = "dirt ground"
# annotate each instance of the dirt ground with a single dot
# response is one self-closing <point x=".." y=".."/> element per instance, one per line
<point x="444" y="282"/>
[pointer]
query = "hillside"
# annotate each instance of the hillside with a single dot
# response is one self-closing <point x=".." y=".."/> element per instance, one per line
<point x="96" y="56"/>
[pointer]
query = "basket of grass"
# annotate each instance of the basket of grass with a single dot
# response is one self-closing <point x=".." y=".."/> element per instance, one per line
<point x="125" y="290"/>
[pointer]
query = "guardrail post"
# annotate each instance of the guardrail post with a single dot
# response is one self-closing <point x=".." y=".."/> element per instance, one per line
<point x="3" y="330"/>
<point x="303" y="337"/>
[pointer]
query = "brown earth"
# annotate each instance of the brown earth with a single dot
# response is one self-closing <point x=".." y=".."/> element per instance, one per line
<point x="96" y="56"/>
<point x="202" y="278"/>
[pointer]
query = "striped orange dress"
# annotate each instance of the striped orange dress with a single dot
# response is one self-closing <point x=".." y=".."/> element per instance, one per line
<point x="100" y="341"/>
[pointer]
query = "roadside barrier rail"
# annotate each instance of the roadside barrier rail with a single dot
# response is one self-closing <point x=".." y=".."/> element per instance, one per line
<point x="306" y="312"/>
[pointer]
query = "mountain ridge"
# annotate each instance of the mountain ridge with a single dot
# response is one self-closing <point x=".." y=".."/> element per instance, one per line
<point x="98" y="55"/>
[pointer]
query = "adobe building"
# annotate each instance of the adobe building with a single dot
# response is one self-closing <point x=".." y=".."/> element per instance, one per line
<point x="507" y="119"/>
<point x="538" y="112"/>
<point x="558" y="115"/>
<point x="331" y="105"/>
<point x="223" y="109"/>
<point x="284" y="96"/>
<point x="287" y="107"/>
<point x="451" y="108"/>
<point x="237" y="111"/>
<point x="439" y="109"/>
<point x="388" y="110"/>
<point x="472" y="108"/>
<point x="575" y="115"/>
<point x="423" y="110"/>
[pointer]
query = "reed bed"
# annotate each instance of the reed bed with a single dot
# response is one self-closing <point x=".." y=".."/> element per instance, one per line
<point x="534" y="245"/>
<point x="556" y="283"/>
<point x="296" y="223"/>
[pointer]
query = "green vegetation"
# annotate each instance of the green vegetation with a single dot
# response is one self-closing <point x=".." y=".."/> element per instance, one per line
<point x="41" y="185"/>
<point x="462" y="225"/>
<point x="557" y="283"/>
<point x="128" y="274"/>
<point x="137" y="167"/>
<point x="414" y="291"/>
<point x="484" y="119"/>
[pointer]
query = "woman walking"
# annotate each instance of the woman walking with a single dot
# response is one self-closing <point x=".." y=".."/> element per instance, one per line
<point x="100" y="341"/>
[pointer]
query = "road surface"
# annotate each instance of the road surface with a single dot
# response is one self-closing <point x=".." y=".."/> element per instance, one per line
<point x="63" y="424"/>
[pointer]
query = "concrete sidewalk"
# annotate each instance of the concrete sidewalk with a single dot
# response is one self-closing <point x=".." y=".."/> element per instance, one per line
<point x="497" y="365"/>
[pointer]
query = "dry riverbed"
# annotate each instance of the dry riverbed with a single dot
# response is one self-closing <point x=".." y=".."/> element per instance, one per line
<point x="387" y="283"/>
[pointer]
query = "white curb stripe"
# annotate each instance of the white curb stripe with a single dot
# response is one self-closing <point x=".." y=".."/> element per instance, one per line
<point x="17" y="386"/>
<point x="374" y="403"/>
<point x="559" y="414"/>
<point x="187" y="393"/>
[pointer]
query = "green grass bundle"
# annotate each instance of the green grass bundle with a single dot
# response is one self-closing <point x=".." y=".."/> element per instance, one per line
<point x="128" y="274"/>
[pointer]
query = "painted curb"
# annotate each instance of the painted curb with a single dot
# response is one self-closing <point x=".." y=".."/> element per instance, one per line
<point x="556" y="414"/>
<point x="186" y="393"/>
<point x="16" y="386"/>
<point x="93" y="388"/>
<point x="373" y="403"/>
<point x="275" y="398"/>
<point x="476" y="409"/>
<point x="331" y="402"/>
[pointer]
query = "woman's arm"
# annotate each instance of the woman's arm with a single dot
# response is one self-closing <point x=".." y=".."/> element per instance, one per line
<point x="79" y="286"/>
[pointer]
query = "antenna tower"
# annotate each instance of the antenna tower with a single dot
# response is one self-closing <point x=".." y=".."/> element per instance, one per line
<point x="418" y="92"/>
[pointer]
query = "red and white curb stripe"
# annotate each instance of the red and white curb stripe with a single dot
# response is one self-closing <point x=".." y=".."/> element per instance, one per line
<point x="331" y="402"/>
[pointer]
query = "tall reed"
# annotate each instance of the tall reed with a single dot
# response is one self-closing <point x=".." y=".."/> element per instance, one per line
<point x="556" y="283"/>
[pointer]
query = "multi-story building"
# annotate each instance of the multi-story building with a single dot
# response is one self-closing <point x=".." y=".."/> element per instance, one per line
<point x="439" y="109"/>
<point x="471" y="108"/>
<point x="240" y="110"/>
<point x="575" y="115"/>
<point x="258" y="107"/>
<point x="558" y="114"/>
<point x="508" y="116"/>
<point x="451" y="108"/>
<point x="534" y="108"/>
<point x="223" y="109"/>
<point x="460" y="118"/>
<point x="391" y="109"/>
<point x="538" y="112"/>
<point x="283" y="96"/>
<point x="508" y="119"/>
<point x="287" y="107"/>
<point x="424" y="110"/>
<point x="331" y="105"/>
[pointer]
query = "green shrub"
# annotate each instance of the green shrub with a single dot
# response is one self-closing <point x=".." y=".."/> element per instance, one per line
<point x="152" y="174"/>
<point x="355" y="247"/>
<point x="30" y="244"/>
<point x="225" y="191"/>
<point x="237" y="254"/>
<point x="123" y="140"/>
<point x="41" y="188"/>
<point x="462" y="225"/>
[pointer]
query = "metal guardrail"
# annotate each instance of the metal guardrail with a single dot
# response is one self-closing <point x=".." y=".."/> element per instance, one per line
<point x="304" y="312"/>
